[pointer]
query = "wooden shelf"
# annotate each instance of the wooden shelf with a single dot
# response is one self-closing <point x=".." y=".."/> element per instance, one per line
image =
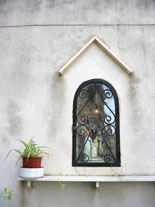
<point x="96" y="179"/>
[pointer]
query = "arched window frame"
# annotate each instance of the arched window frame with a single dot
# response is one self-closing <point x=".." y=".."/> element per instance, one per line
<point x="117" y="163"/>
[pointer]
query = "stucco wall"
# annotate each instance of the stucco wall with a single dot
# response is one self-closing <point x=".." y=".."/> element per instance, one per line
<point x="36" y="39"/>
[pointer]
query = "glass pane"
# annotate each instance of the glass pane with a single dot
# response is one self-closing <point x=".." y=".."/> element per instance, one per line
<point x="95" y="125"/>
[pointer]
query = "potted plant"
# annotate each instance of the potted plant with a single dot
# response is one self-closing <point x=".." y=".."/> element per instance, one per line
<point x="31" y="156"/>
<point x="31" y="169"/>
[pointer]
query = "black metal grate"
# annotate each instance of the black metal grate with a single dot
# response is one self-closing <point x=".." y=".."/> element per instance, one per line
<point x="96" y="125"/>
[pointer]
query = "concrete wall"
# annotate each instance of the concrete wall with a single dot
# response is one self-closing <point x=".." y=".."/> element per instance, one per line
<point x="36" y="39"/>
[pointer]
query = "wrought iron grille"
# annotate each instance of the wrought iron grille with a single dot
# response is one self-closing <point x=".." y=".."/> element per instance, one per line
<point x="96" y="125"/>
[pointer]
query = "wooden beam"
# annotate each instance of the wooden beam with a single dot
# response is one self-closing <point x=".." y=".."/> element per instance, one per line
<point x="65" y="67"/>
<point x="104" y="47"/>
<point x="107" y="50"/>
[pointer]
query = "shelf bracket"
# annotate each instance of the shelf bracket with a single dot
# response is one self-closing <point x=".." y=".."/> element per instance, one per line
<point x="28" y="184"/>
<point x="97" y="185"/>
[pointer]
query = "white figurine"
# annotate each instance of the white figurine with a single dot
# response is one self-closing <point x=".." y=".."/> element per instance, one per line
<point x="100" y="145"/>
<point x="87" y="147"/>
<point x="94" y="147"/>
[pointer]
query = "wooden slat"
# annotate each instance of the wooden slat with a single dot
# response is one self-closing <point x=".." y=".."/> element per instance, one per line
<point x="104" y="47"/>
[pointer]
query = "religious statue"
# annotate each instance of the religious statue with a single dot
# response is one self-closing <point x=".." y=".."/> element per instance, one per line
<point x="87" y="145"/>
<point x="94" y="146"/>
<point x="93" y="132"/>
<point x="100" y="145"/>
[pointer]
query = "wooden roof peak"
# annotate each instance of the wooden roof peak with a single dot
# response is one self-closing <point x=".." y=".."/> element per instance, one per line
<point x="104" y="47"/>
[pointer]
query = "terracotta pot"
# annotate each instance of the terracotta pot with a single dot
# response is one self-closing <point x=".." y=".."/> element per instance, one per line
<point x="32" y="162"/>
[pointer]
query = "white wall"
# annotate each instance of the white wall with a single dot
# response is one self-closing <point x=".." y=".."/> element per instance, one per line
<point x="35" y="101"/>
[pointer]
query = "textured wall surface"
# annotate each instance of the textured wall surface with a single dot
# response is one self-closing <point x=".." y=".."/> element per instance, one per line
<point x="36" y="39"/>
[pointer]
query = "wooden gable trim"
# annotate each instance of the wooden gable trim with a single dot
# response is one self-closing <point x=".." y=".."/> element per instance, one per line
<point x="104" y="47"/>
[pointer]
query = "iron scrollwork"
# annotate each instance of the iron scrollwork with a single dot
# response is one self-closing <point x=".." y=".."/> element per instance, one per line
<point x="96" y="125"/>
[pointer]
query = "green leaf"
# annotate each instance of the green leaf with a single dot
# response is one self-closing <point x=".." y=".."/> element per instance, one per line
<point x="23" y="143"/>
<point x="18" y="160"/>
<point x="7" y="194"/>
<point x="18" y="151"/>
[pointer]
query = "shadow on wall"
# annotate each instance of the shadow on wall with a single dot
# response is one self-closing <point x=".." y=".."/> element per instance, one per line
<point x="15" y="121"/>
<point x="57" y="103"/>
<point x="135" y="102"/>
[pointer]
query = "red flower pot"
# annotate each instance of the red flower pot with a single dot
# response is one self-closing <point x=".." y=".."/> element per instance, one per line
<point x="32" y="162"/>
